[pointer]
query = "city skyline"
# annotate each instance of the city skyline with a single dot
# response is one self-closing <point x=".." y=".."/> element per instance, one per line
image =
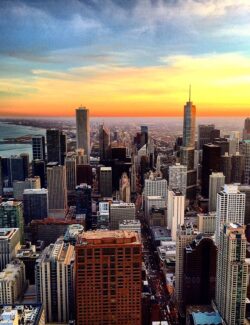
<point x="133" y="58"/>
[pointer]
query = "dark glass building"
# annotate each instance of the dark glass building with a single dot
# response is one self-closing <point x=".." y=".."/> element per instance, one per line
<point x="210" y="163"/>
<point x="56" y="146"/>
<point x="199" y="271"/>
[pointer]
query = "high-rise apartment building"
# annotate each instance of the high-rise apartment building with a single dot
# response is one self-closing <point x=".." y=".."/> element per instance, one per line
<point x="12" y="282"/>
<point x="231" y="278"/>
<point x="119" y="212"/>
<point x="57" y="187"/>
<point x="70" y="164"/>
<point x="54" y="273"/>
<point x="83" y="130"/>
<point x="178" y="178"/>
<point x="230" y="207"/>
<point x="246" y="130"/>
<point x="9" y="245"/>
<point x="189" y="125"/>
<point x="210" y="163"/>
<point x="104" y="142"/>
<point x="108" y="278"/>
<point x="105" y="181"/>
<point x="185" y="235"/>
<point x="56" y="146"/>
<point x="176" y="208"/>
<point x="11" y="215"/>
<point x="35" y="204"/>
<point x="155" y="186"/>
<point x="187" y="157"/>
<point x="216" y="182"/>
<point x="38" y="147"/>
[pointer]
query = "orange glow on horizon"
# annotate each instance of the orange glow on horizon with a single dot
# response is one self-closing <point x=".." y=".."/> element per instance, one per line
<point x="219" y="88"/>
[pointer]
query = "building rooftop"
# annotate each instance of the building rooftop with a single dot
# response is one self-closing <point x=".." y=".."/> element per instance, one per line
<point x="106" y="169"/>
<point x="100" y="237"/>
<point x="35" y="191"/>
<point x="28" y="314"/>
<point x="160" y="233"/>
<point x="11" y="204"/>
<point x="206" y="318"/>
<point x="122" y="205"/>
<point x="7" y="233"/>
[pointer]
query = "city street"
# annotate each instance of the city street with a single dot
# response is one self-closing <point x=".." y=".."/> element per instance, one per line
<point x="156" y="278"/>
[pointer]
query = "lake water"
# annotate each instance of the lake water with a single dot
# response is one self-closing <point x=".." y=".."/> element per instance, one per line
<point x="13" y="131"/>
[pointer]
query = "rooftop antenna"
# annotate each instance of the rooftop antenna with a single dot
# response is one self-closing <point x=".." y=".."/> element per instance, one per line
<point x="190" y="93"/>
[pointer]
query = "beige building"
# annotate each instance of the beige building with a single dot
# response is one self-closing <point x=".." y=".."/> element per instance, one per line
<point x="57" y="187"/>
<point x="12" y="282"/>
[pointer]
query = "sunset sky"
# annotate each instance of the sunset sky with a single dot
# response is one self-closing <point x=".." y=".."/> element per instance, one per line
<point x="124" y="57"/>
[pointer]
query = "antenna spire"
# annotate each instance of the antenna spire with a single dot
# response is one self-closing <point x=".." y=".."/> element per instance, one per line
<point x="190" y="93"/>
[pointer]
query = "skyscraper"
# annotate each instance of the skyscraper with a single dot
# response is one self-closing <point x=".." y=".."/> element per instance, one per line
<point x="83" y="130"/>
<point x="176" y="207"/>
<point x="70" y="164"/>
<point x="204" y="134"/>
<point x="226" y="167"/>
<point x="35" y="204"/>
<point x="231" y="282"/>
<point x="104" y="142"/>
<point x="178" y="177"/>
<point x="38" y="147"/>
<point x="246" y="130"/>
<point x="26" y="162"/>
<point x="57" y="187"/>
<point x="185" y="235"/>
<point x="189" y="124"/>
<point x="9" y="245"/>
<point x="105" y="181"/>
<point x="210" y="163"/>
<point x="246" y="151"/>
<point x="56" y="146"/>
<point x="238" y="167"/>
<point x="119" y="212"/>
<point x="230" y="207"/>
<point x="199" y="271"/>
<point x="216" y="182"/>
<point x="108" y="278"/>
<point x="39" y="169"/>
<point x="54" y="273"/>
<point x="84" y="203"/>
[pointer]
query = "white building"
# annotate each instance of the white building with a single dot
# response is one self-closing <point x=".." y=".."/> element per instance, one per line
<point x="231" y="282"/>
<point x="9" y="245"/>
<point x="155" y="186"/>
<point x="216" y="182"/>
<point x="20" y="186"/>
<point x="12" y="282"/>
<point x="176" y="208"/>
<point x="230" y="207"/>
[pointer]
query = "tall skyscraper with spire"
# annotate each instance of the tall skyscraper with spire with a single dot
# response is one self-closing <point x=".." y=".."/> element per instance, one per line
<point x="83" y="130"/>
<point x="189" y="123"/>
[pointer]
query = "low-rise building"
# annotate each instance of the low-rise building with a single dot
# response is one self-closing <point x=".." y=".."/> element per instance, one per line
<point x="28" y="314"/>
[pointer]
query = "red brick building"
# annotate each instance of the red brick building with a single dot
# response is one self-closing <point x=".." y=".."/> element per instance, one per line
<point x="108" y="278"/>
